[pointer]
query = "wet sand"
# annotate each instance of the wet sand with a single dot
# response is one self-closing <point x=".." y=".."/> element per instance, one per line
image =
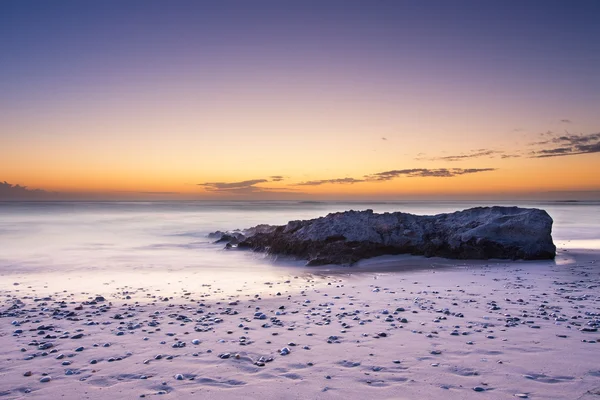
<point x="441" y="329"/>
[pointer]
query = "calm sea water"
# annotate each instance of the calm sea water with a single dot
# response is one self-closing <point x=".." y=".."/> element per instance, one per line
<point x="90" y="241"/>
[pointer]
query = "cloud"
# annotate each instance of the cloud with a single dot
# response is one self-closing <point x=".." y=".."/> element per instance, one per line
<point x="547" y="134"/>
<point x="248" y="186"/>
<point x="252" y="189"/>
<point x="334" y="181"/>
<point x="568" y="145"/>
<point x="566" y="121"/>
<point x="233" y="186"/>
<point x="18" y="192"/>
<point x="244" y="187"/>
<point x="409" y="173"/>
<point x="560" y="151"/>
<point x="473" y="154"/>
<point x="578" y="139"/>
<point x="383" y="138"/>
<point x="425" y="173"/>
<point x="159" y="193"/>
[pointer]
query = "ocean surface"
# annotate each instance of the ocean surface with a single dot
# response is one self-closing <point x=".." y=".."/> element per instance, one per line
<point x="88" y="244"/>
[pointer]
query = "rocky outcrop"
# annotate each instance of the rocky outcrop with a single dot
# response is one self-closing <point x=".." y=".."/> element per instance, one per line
<point x="346" y="237"/>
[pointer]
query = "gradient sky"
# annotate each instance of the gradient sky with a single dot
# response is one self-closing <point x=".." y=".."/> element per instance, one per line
<point x="298" y="99"/>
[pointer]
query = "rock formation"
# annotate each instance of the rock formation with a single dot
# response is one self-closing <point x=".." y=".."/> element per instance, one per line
<point x="346" y="237"/>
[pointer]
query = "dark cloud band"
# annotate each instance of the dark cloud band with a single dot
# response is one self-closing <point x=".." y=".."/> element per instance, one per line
<point x="568" y="145"/>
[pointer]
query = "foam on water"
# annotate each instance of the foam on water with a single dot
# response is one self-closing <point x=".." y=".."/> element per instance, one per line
<point x="92" y="243"/>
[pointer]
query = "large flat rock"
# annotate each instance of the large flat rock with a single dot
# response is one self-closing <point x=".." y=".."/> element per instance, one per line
<point x="347" y="237"/>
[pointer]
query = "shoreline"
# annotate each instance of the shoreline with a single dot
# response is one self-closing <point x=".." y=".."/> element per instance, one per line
<point x="345" y="335"/>
<point x="90" y="281"/>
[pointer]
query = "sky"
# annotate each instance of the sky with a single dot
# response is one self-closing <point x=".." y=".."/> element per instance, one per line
<point x="327" y="99"/>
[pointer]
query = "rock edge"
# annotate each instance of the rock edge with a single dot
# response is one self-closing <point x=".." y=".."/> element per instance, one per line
<point x="347" y="237"/>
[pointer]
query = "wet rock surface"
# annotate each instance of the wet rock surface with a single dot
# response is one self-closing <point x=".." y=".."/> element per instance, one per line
<point x="347" y="237"/>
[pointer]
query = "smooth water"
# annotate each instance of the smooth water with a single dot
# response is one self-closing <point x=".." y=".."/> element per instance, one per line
<point x="91" y="241"/>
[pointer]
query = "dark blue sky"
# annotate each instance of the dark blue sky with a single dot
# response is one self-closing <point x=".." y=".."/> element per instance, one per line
<point x="49" y="43"/>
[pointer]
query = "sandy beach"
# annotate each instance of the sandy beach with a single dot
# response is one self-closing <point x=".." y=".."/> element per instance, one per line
<point x="299" y="199"/>
<point x="388" y="328"/>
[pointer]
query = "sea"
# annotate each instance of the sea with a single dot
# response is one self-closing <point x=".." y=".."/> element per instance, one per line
<point x="92" y="246"/>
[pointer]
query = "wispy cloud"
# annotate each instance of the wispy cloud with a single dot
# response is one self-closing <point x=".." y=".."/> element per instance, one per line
<point x="277" y="178"/>
<point x="244" y="187"/>
<point x="505" y="156"/>
<point x="578" y="139"/>
<point x="219" y="186"/>
<point x="547" y="138"/>
<point x="467" y="156"/>
<point x="567" y="145"/>
<point x="159" y="193"/>
<point x="397" y="173"/>
<point x="425" y="173"/>
<point x="566" y="121"/>
<point x="559" y="151"/>
<point x="333" y="181"/>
